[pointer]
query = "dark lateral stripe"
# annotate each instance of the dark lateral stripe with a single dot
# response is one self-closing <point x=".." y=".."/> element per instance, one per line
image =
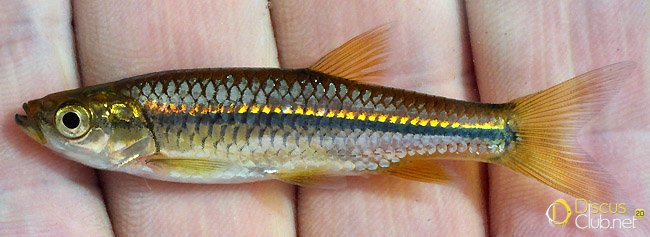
<point x="303" y="121"/>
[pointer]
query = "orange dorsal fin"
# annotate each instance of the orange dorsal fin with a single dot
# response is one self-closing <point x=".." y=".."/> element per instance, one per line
<point x="418" y="169"/>
<point x="359" y="58"/>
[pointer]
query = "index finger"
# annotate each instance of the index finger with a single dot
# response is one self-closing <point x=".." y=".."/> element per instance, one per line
<point x="40" y="192"/>
<point x="119" y="39"/>
<point x="429" y="54"/>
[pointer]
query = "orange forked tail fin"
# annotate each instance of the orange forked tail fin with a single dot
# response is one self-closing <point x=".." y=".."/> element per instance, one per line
<point x="546" y="126"/>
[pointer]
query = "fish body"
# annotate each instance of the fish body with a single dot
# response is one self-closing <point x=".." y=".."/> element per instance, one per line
<point x="261" y="122"/>
<point x="305" y="126"/>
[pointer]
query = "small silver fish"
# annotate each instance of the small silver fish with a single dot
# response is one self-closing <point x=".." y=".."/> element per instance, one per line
<point x="307" y="126"/>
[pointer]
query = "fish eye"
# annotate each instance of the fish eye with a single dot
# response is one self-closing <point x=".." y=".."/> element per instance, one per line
<point x="72" y="121"/>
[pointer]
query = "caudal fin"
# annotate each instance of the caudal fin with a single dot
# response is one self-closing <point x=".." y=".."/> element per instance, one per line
<point x="547" y="123"/>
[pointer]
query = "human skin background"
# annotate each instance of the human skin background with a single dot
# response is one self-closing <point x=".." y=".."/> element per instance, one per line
<point x="517" y="47"/>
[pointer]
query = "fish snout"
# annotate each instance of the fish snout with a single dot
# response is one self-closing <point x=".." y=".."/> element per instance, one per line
<point x="29" y="125"/>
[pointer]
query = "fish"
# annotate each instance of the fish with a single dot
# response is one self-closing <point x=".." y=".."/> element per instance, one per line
<point x="314" y="126"/>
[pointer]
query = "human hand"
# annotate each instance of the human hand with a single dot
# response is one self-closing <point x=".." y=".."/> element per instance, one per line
<point x="44" y="192"/>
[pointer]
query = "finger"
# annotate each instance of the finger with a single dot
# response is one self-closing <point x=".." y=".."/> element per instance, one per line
<point x="525" y="46"/>
<point x="40" y="192"/>
<point x="118" y="39"/>
<point x="429" y="53"/>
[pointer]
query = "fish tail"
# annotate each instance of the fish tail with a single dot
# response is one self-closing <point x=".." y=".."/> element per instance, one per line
<point x="546" y="124"/>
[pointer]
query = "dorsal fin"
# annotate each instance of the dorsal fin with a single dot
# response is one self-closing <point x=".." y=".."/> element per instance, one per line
<point x="359" y="58"/>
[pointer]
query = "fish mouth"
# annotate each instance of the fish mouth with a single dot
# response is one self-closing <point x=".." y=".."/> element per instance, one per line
<point x="29" y="126"/>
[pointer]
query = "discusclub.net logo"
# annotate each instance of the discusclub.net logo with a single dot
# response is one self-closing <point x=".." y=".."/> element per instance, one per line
<point x="590" y="215"/>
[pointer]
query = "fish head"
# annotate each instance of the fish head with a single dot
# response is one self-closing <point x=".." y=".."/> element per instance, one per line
<point x="93" y="126"/>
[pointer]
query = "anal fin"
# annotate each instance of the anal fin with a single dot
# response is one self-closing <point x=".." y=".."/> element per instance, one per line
<point x="421" y="170"/>
<point x="316" y="178"/>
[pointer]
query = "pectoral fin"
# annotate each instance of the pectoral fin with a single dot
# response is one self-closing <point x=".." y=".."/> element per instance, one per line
<point x="192" y="166"/>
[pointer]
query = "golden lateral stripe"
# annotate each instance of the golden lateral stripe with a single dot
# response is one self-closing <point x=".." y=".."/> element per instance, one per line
<point x="344" y="114"/>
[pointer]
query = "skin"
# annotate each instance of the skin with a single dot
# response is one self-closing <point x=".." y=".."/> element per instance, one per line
<point x="498" y="50"/>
